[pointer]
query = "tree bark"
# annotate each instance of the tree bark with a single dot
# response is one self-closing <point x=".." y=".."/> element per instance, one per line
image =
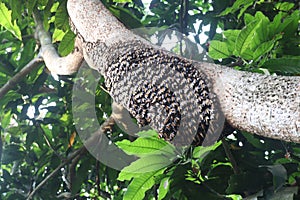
<point x="260" y="104"/>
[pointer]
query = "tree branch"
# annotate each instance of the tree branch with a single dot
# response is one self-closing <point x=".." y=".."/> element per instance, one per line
<point x="56" y="64"/>
<point x="72" y="171"/>
<point x="20" y="75"/>
<point x="260" y="104"/>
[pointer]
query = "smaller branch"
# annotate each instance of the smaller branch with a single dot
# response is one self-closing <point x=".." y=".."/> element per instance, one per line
<point x="229" y="155"/>
<point x="47" y="140"/>
<point x="56" y="64"/>
<point x="46" y="89"/>
<point x="72" y="171"/>
<point x="19" y="76"/>
<point x="1" y="149"/>
<point x="101" y="193"/>
<point x="97" y="178"/>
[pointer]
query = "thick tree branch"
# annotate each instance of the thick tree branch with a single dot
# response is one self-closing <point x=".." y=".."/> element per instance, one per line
<point x="260" y="104"/>
<point x="56" y="64"/>
<point x="20" y="75"/>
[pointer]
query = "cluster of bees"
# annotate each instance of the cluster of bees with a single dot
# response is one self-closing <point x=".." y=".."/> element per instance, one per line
<point x="153" y="103"/>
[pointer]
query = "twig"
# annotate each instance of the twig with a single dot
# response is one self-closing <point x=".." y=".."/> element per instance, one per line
<point x="1" y="149"/>
<point x="72" y="171"/>
<point x="20" y="75"/>
<point x="101" y="193"/>
<point x="230" y="156"/>
<point x="97" y="178"/>
<point x="47" y="140"/>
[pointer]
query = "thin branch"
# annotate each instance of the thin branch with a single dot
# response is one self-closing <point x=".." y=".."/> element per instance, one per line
<point x="1" y="149"/>
<point x="47" y="140"/>
<point x="45" y="89"/>
<point x="97" y="178"/>
<point x="229" y="155"/>
<point x="34" y="63"/>
<point x="101" y="193"/>
<point x="72" y="171"/>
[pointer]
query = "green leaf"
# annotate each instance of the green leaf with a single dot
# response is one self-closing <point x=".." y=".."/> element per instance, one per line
<point x="61" y="17"/>
<point x="279" y="175"/>
<point x="262" y="49"/>
<point x="3" y="77"/>
<point x="143" y="146"/>
<point x="139" y="185"/>
<point x="281" y="22"/>
<point x="5" y="21"/>
<point x="200" y="152"/>
<point x="284" y="65"/>
<point x="67" y="44"/>
<point x="27" y="53"/>
<point x="30" y="4"/>
<point x="262" y="30"/>
<point x="286" y="193"/>
<point x="254" y="140"/>
<point x="231" y="35"/>
<point x="248" y="18"/>
<point x="284" y="6"/>
<point x="42" y="3"/>
<point x="236" y="6"/>
<point x="126" y="17"/>
<point x="17" y="9"/>
<point x="47" y="14"/>
<point x="244" y="8"/>
<point x="163" y="188"/>
<point x="6" y="119"/>
<point x="245" y="39"/>
<point x="9" y="97"/>
<point x="218" y="50"/>
<point x="143" y="165"/>
<point x="148" y="133"/>
<point x="58" y="35"/>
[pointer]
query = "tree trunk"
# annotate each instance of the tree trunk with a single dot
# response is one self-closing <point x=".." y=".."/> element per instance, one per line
<point x="177" y="96"/>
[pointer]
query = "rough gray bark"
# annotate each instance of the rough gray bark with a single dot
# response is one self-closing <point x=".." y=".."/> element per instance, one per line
<point x="132" y="67"/>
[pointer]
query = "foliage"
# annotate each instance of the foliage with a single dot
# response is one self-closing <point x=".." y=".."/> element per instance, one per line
<point x="260" y="43"/>
<point x="37" y="125"/>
